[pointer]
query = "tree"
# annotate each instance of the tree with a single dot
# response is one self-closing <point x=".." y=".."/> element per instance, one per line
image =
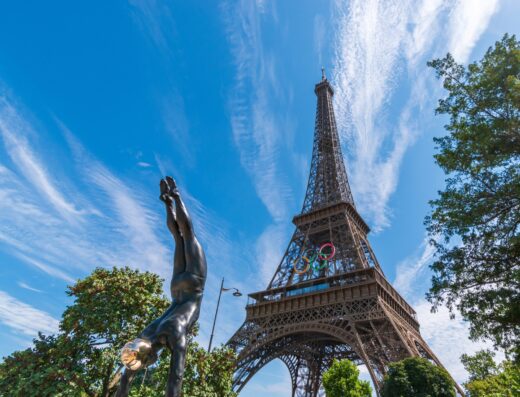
<point x="342" y="380"/>
<point x="418" y="377"/>
<point x="480" y="365"/>
<point x="489" y="380"/>
<point x="475" y="221"/>
<point x="48" y="369"/>
<point x="110" y="307"/>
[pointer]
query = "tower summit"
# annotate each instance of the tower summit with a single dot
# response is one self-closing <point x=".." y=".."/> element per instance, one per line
<point x="328" y="298"/>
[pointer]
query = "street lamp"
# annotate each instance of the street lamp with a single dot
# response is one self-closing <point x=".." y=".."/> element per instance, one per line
<point x="236" y="293"/>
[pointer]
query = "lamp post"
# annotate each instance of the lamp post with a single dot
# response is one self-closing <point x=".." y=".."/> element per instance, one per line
<point x="237" y="293"/>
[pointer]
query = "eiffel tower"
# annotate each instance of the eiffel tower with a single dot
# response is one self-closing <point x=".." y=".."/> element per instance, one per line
<point x="329" y="298"/>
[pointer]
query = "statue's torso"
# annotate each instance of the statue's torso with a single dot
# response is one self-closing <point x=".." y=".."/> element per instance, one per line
<point x="187" y="285"/>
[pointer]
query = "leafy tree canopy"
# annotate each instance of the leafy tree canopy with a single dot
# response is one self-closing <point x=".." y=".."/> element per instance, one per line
<point x="480" y="365"/>
<point x="342" y="380"/>
<point x="488" y="379"/>
<point x="475" y="221"/>
<point x="417" y="377"/>
<point x="110" y="307"/>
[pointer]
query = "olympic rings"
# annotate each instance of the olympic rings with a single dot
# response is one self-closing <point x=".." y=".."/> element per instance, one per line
<point x="311" y="259"/>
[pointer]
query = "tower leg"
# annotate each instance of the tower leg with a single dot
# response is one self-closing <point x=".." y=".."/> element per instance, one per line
<point x="308" y="382"/>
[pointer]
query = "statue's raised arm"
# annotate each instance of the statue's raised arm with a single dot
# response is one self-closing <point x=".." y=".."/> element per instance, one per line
<point x="187" y="287"/>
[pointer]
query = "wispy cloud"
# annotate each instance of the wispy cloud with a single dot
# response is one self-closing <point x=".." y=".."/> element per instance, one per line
<point x="468" y="20"/>
<point x="269" y="249"/>
<point x="24" y="318"/>
<point x="26" y="286"/>
<point x="379" y="44"/>
<point x="255" y="129"/>
<point x="320" y="31"/>
<point x="124" y="225"/>
<point x="155" y="19"/>
<point x="367" y="65"/>
<point x="135" y="224"/>
<point x="50" y="226"/>
<point x="412" y="274"/>
<point x="15" y="132"/>
<point x="177" y="125"/>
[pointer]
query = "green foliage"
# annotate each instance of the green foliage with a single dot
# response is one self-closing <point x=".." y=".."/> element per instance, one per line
<point x="209" y="375"/>
<point x="51" y="368"/>
<point x="417" y="377"/>
<point x="480" y="365"/>
<point x="489" y="380"/>
<point x="110" y="307"/>
<point x="475" y="222"/>
<point x="113" y="306"/>
<point x="342" y="380"/>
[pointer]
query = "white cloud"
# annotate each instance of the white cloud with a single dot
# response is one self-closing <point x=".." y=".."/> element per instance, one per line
<point x="14" y="132"/>
<point x="468" y="20"/>
<point x="269" y="249"/>
<point x="255" y="130"/>
<point x="412" y="273"/>
<point x="24" y="318"/>
<point x="176" y="124"/>
<point x="50" y="270"/>
<point x="26" y="286"/>
<point x="425" y="29"/>
<point x="378" y="44"/>
<point x="134" y="222"/>
<point x="155" y="19"/>
<point x="367" y="62"/>
<point x="124" y="225"/>
<point x="319" y="36"/>
<point x="113" y="227"/>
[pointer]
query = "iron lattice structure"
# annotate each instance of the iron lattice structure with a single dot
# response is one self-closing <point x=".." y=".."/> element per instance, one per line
<point x="342" y="306"/>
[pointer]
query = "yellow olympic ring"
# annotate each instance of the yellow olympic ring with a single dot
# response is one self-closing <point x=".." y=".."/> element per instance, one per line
<point x="305" y="259"/>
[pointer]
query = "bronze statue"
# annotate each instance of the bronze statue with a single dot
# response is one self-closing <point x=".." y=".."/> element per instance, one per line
<point x="187" y="286"/>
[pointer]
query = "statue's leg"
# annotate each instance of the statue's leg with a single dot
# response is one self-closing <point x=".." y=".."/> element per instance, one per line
<point x="183" y="217"/>
<point x="179" y="258"/>
<point x="195" y="258"/>
<point x="178" y="345"/>
<point x="126" y="382"/>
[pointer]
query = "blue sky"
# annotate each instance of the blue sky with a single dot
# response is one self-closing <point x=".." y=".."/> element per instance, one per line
<point x="99" y="100"/>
